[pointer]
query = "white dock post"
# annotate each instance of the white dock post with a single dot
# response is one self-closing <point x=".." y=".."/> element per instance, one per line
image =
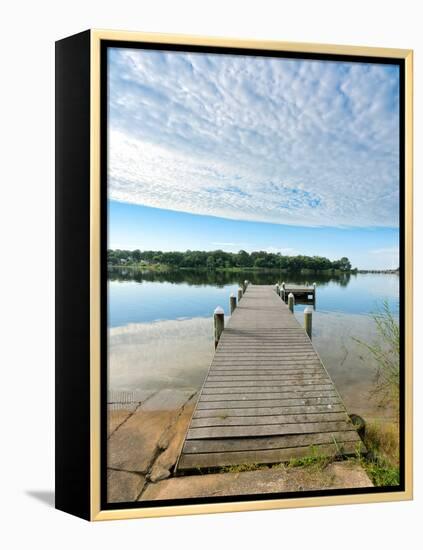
<point x="308" y="315"/>
<point x="232" y="302"/>
<point x="219" y="324"/>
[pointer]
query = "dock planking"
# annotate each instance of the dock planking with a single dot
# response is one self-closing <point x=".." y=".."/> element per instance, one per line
<point x="267" y="397"/>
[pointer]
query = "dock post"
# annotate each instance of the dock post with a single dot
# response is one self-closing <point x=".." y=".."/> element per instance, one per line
<point x="240" y="293"/>
<point x="219" y="324"/>
<point x="291" y="302"/>
<point x="245" y="286"/>
<point x="277" y="289"/>
<point x="308" y="314"/>
<point x="232" y="302"/>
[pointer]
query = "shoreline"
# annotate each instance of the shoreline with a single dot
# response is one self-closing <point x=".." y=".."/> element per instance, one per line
<point x="161" y="268"/>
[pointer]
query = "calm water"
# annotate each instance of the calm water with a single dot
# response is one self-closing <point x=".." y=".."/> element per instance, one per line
<point x="160" y="327"/>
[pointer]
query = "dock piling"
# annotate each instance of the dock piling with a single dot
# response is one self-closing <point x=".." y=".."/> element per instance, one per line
<point x="308" y="315"/>
<point x="219" y="324"/>
<point x="291" y="302"/>
<point x="240" y="293"/>
<point x="232" y="302"/>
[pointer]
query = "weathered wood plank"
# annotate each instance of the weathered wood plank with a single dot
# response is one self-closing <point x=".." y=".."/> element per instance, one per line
<point x="217" y="460"/>
<point x="265" y="420"/>
<point x="245" y="402"/>
<point x="276" y="429"/>
<point x="256" y="353"/>
<point x="286" y="384"/>
<point x="219" y="394"/>
<point x="252" y="371"/>
<point x="272" y="362"/>
<point x="265" y="411"/>
<point x="213" y="377"/>
<point x="264" y="443"/>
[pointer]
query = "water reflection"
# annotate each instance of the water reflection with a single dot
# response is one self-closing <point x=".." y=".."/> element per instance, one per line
<point x="142" y="296"/>
<point x="166" y="354"/>
<point x="223" y="278"/>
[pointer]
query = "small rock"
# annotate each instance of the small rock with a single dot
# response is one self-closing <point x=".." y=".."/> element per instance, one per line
<point x="163" y="443"/>
<point x="359" y="424"/>
<point x="158" y="474"/>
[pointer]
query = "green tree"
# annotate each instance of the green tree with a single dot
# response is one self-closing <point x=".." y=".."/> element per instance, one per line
<point x="344" y="264"/>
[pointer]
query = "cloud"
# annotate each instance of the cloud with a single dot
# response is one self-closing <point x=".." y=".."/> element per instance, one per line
<point x="275" y="140"/>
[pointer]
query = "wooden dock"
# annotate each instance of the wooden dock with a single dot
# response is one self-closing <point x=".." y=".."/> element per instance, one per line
<point x="303" y="294"/>
<point x="267" y="397"/>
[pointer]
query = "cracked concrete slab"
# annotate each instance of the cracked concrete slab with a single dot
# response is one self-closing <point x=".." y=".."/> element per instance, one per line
<point x="116" y="418"/>
<point x="123" y="486"/>
<point x="122" y="405"/>
<point x="172" y="441"/>
<point x="263" y="481"/>
<point x="138" y="441"/>
<point x="168" y="400"/>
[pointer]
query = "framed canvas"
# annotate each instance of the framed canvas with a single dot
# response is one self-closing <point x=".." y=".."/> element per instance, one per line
<point x="233" y="275"/>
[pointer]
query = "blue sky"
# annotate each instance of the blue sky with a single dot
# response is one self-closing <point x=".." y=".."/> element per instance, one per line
<point x="229" y="152"/>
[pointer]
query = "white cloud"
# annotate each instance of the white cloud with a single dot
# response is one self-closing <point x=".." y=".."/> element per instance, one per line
<point x="282" y="141"/>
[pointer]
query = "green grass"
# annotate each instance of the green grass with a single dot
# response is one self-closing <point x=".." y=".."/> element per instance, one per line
<point x="382" y="439"/>
<point x="314" y="459"/>
<point x="382" y="460"/>
<point x="385" y="350"/>
<point x="238" y="468"/>
<point x="382" y="473"/>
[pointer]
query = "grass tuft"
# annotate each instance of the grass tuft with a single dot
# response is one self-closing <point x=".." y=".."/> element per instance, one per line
<point x="314" y="459"/>
<point x="382" y="460"/>
<point x="238" y="468"/>
<point x="386" y="352"/>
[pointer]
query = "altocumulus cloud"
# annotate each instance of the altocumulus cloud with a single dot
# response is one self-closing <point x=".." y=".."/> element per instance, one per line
<point x="285" y="141"/>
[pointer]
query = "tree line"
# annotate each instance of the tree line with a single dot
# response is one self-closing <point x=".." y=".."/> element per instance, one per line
<point x="219" y="259"/>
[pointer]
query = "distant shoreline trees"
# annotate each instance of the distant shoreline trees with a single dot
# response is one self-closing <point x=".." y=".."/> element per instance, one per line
<point x="221" y="260"/>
